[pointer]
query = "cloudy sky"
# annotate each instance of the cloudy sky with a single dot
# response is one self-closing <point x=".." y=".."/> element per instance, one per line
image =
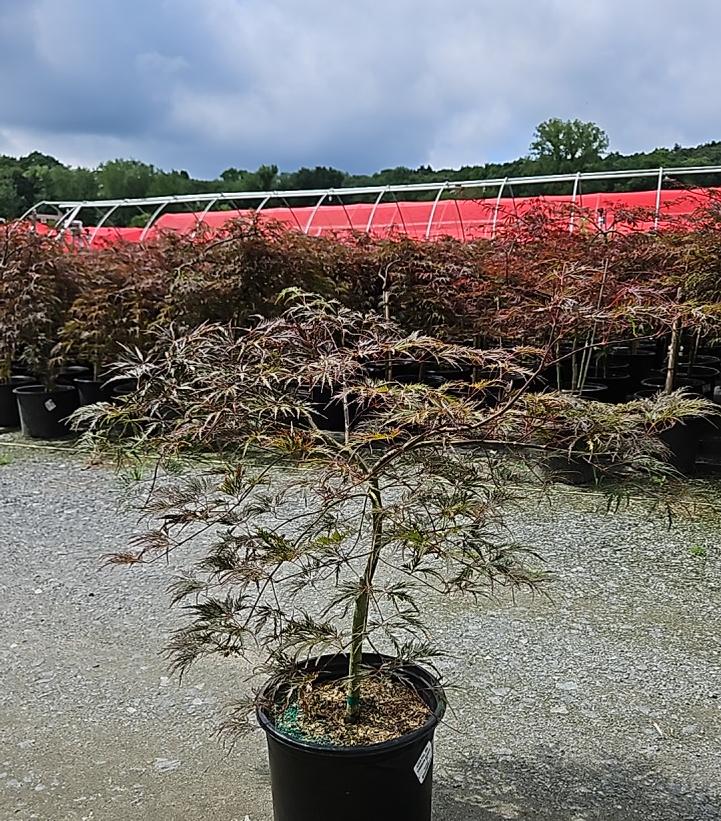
<point x="358" y="84"/>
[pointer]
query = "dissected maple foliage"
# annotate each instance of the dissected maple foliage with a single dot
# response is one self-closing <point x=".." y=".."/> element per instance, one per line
<point x="548" y="278"/>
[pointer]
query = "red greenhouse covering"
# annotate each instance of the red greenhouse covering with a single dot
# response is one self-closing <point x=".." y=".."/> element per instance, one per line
<point x="462" y="219"/>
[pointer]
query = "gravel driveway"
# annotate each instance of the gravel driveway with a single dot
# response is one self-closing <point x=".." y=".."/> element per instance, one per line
<point x="604" y="703"/>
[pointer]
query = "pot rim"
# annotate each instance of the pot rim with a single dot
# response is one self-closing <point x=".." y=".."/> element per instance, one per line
<point x="360" y="751"/>
<point x="20" y="380"/>
<point x="681" y="381"/>
<point x="701" y="370"/>
<point x="626" y="350"/>
<point x="34" y="390"/>
<point x="588" y="387"/>
<point x="626" y="375"/>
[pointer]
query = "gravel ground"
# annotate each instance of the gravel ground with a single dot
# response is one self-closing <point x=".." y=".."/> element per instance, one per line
<point x="604" y="703"/>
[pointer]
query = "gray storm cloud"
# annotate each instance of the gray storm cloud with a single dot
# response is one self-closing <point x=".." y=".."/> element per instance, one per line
<point x="360" y="85"/>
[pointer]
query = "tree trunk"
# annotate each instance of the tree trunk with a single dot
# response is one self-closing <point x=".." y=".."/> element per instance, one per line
<point x="360" y="610"/>
<point x="387" y="316"/>
<point x="559" y="376"/>
<point x="476" y="344"/>
<point x="574" y="368"/>
<point x="673" y="350"/>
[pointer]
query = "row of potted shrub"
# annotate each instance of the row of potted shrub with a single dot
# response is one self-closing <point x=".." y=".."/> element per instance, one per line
<point x="42" y="411"/>
<point x="605" y="306"/>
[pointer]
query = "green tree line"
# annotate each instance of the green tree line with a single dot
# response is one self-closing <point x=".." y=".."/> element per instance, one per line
<point x="558" y="146"/>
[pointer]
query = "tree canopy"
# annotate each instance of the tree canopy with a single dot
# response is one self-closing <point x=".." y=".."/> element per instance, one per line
<point x="564" y="146"/>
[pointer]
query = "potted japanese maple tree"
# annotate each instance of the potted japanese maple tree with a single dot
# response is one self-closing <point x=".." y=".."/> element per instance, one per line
<point x="316" y="547"/>
<point x="36" y="287"/>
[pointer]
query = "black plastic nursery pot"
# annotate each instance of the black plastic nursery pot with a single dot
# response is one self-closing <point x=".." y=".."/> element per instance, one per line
<point x="70" y="373"/>
<point x="707" y="374"/>
<point x="43" y="411"/>
<point x="9" y="416"/>
<point x="568" y="470"/>
<point x="591" y="390"/>
<point x="91" y="391"/>
<point x="391" y="781"/>
<point x="438" y="376"/>
<point x="709" y="360"/>
<point x="618" y="382"/>
<point x="18" y="369"/>
<point x="682" y="439"/>
<point x="407" y="368"/>
<point x="120" y="388"/>
<point x="657" y="383"/>
<point x="618" y="387"/>
<point x="641" y="361"/>
<point x="329" y="412"/>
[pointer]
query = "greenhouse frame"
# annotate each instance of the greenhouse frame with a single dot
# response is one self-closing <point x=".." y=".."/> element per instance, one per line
<point x="420" y="210"/>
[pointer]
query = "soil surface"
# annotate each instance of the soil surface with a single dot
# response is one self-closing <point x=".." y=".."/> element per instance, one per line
<point x="389" y="709"/>
<point x="602" y="703"/>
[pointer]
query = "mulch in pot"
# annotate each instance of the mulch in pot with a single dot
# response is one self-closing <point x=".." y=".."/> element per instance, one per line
<point x="390" y="709"/>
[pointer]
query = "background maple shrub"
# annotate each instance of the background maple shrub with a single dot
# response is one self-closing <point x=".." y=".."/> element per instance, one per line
<point x="536" y="284"/>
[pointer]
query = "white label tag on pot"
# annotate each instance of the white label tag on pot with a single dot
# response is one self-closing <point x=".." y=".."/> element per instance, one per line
<point x="50" y="405"/>
<point x="424" y="762"/>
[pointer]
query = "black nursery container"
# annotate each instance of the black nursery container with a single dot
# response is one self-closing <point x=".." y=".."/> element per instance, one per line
<point x="328" y="411"/>
<point x="640" y="361"/>
<point x="70" y="373"/>
<point x="682" y="439"/>
<point x="43" y="412"/>
<point x="91" y="391"/>
<point x="9" y="416"/>
<point x="708" y="375"/>
<point x="391" y="781"/>
<point x="120" y="388"/>
<point x="591" y="390"/>
<point x="617" y="379"/>
<point x="654" y="384"/>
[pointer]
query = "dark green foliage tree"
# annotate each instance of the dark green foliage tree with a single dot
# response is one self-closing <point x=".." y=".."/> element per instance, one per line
<point x="266" y="177"/>
<point x="120" y="179"/>
<point x="233" y="175"/>
<point x="564" y="146"/>
<point x="71" y="183"/>
<point x="9" y="197"/>
<point x="318" y="177"/>
<point x="174" y="182"/>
